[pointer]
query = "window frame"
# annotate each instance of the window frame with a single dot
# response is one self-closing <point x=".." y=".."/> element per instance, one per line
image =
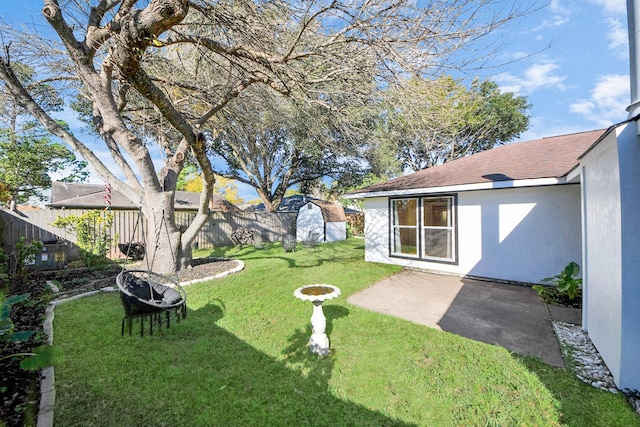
<point x="452" y="227"/>
<point x="395" y="227"/>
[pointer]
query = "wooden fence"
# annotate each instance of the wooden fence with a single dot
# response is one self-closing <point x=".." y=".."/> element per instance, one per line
<point x="36" y="225"/>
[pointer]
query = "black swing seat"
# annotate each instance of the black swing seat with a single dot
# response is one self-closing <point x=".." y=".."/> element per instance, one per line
<point x="144" y="293"/>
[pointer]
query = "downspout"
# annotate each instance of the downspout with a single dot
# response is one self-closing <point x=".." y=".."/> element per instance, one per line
<point x="633" y="20"/>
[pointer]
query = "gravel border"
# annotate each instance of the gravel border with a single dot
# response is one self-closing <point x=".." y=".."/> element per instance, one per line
<point x="47" y="381"/>
<point x="582" y="357"/>
<point x="585" y="362"/>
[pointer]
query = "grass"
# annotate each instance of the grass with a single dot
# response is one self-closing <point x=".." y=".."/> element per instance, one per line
<point x="240" y="359"/>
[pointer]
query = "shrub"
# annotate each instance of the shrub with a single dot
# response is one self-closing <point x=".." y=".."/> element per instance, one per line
<point x="93" y="231"/>
<point x="20" y="254"/>
<point x="567" y="283"/>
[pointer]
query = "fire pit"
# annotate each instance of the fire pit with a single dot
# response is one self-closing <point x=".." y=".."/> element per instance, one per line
<point x="317" y="294"/>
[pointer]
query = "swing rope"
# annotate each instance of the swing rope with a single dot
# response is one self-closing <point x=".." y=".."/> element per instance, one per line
<point x="158" y="231"/>
<point x="150" y="261"/>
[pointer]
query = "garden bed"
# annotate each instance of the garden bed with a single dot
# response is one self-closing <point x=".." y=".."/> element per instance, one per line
<point x="19" y="389"/>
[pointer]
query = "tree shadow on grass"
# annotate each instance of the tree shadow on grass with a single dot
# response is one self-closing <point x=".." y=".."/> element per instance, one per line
<point x="317" y="369"/>
<point x="196" y="374"/>
<point x="580" y="403"/>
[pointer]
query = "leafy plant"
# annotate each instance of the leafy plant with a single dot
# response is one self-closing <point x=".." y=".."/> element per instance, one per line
<point x="568" y="283"/>
<point x="93" y="231"/>
<point x="7" y="333"/>
<point x="20" y="256"/>
<point x="40" y="356"/>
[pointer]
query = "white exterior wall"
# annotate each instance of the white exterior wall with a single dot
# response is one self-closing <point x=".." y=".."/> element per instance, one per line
<point x="376" y="230"/>
<point x="629" y="160"/>
<point x="602" y="255"/>
<point x="611" y="227"/>
<point x="309" y="221"/>
<point x="335" y="231"/>
<point x="519" y="234"/>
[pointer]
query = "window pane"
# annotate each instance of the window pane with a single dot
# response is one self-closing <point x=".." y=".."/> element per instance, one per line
<point x="404" y="241"/>
<point x="405" y="212"/>
<point x="437" y="243"/>
<point x="437" y="212"/>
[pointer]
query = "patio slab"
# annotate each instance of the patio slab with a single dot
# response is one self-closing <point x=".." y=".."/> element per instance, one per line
<point x="565" y="314"/>
<point x="511" y="316"/>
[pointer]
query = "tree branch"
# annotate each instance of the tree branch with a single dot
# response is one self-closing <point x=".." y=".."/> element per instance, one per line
<point x="15" y="87"/>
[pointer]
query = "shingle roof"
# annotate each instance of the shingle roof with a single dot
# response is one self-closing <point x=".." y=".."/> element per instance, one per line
<point x="552" y="157"/>
<point x="294" y="203"/>
<point x="75" y="195"/>
<point x="331" y="212"/>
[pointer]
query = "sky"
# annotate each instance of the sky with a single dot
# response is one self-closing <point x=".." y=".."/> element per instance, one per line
<point x="569" y="59"/>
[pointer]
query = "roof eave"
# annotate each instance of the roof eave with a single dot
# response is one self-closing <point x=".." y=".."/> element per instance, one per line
<point x="537" y="182"/>
<point x="607" y="132"/>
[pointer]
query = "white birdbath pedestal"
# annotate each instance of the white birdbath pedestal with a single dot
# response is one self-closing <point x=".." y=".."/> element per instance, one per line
<point x="317" y="294"/>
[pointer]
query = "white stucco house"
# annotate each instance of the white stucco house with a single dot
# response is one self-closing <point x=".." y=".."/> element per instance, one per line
<point x="512" y="213"/>
<point x="520" y="213"/>
<point x="321" y="221"/>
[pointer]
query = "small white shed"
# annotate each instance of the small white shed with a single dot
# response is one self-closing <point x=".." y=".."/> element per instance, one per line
<point x="321" y="221"/>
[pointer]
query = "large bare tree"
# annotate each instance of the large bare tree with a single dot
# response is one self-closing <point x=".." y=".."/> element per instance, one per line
<point x="272" y="143"/>
<point x="157" y="71"/>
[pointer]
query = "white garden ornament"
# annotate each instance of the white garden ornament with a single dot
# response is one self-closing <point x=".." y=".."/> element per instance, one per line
<point x="317" y="294"/>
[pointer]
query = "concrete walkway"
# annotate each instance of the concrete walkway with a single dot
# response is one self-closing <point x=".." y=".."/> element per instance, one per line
<point x="511" y="316"/>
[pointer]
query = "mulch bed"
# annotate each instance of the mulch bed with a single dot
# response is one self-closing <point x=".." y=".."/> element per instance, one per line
<point x="19" y="389"/>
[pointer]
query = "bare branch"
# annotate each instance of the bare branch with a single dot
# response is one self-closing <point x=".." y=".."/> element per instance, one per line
<point x="13" y="85"/>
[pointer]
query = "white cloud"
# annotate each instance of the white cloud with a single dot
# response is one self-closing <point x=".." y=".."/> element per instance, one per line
<point x="608" y="101"/>
<point x="537" y="76"/>
<point x="584" y="108"/>
<point x="611" y="6"/>
<point x="554" y="22"/>
<point x="618" y="36"/>
<point x="559" y="16"/>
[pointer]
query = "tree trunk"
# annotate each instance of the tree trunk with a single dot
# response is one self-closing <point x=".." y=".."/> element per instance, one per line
<point x="165" y="250"/>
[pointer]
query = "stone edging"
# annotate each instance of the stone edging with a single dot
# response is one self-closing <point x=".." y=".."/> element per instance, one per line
<point x="47" y="382"/>
<point x="236" y="269"/>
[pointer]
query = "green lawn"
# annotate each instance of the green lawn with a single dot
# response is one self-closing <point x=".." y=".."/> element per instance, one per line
<point x="240" y="359"/>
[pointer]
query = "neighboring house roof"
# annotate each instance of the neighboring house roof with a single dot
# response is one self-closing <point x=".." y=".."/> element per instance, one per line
<point x="552" y="157"/>
<point x="220" y="204"/>
<point x="331" y="212"/>
<point x="288" y="204"/>
<point x="293" y="204"/>
<point x="73" y="195"/>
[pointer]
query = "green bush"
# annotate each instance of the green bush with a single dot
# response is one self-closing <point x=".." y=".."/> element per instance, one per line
<point x="93" y="231"/>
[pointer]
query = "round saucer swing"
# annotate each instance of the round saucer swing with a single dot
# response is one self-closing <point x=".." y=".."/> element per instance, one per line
<point x="149" y="295"/>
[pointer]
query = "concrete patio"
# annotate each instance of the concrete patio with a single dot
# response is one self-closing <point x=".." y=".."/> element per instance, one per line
<point x="511" y="316"/>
